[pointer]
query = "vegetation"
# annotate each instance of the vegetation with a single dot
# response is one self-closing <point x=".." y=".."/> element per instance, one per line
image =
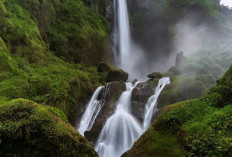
<point x="47" y="49"/>
<point x="28" y="129"/>
<point x="200" y="127"/>
<point x="29" y="69"/>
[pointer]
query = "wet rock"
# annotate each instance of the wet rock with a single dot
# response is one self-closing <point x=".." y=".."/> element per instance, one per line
<point x="111" y="92"/>
<point x="155" y="75"/>
<point x="133" y="83"/>
<point x="140" y="95"/>
<point x="116" y="74"/>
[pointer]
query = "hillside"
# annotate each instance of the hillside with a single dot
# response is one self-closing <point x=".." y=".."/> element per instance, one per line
<point x="199" y="127"/>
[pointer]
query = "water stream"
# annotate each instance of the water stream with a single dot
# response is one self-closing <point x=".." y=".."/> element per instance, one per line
<point x="151" y="105"/>
<point x="93" y="108"/>
<point x="121" y="129"/>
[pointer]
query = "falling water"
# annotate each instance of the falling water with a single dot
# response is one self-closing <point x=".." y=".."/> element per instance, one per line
<point x="122" y="34"/>
<point x="93" y="108"/>
<point x="121" y="129"/>
<point x="151" y="105"/>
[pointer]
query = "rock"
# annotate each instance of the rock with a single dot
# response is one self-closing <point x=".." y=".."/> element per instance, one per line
<point x="155" y="75"/>
<point x="179" y="58"/>
<point x="29" y="129"/>
<point x="103" y="67"/>
<point x="111" y="94"/>
<point x="116" y="74"/>
<point x="140" y="95"/>
<point x="133" y="83"/>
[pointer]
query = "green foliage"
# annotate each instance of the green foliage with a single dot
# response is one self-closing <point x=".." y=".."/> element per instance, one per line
<point x="72" y="30"/>
<point x="201" y="127"/>
<point x="182" y="87"/>
<point x="28" y="129"/>
<point x="21" y="33"/>
<point x="28" y="69"/>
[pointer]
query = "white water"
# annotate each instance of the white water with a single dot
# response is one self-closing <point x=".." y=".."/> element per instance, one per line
<point x="151" y="105"/>
<point x="93" y="108"/>
<point x="121" y="129"/>
<point x="122" y="34"/>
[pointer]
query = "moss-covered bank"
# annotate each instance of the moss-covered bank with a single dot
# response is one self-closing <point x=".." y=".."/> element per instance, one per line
<point x="200" y="127"/>
<point x="28" y="129"/>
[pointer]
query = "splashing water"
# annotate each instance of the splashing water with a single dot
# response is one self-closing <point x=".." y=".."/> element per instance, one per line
<point x="151" y="105"/>
<point x="93" y="108"/>
<point x="121" y="129"/>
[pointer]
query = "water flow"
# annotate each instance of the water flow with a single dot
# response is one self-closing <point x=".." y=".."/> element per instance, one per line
<point x="93" y="108"/>
<point x="151" y="105"/>
<point x="122" y="33"/>
<point x="121" y="129"/>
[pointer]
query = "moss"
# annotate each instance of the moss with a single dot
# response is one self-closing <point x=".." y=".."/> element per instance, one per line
<point x="200" y="127"/>
<point x="3" y="47"/>
<point x="73" y="31"/>
<point x="116" y="74"/>
<point x="182" y="87"/>
<point x="28" y="129"/>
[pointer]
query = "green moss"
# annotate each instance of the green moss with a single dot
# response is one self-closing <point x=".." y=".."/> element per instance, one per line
<point x="182" y="87"/>
<point x="3" y="47"/>
<point x="28" y="129"/>
<point x="201" y="127"/>
<point x="116" y="74"/>
<point x="72" y="30"/>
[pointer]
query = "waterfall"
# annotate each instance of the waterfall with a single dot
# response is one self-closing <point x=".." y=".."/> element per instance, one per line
<point x="121" y="129"/>
<point x="122" y="34"/>
<point x="93" y="108"/>
<point x="151" y="105"/>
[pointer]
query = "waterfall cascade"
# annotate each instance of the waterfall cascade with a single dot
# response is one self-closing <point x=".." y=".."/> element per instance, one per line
<point x="151" y="105"/>
<point x="121" y="129"/>
<point x="93" y="108"/>
<point x="122" y="38"/>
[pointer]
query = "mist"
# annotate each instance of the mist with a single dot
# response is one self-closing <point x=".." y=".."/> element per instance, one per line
<point x="156" y="40"/>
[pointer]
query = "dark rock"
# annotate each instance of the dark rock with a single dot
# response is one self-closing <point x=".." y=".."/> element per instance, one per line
<point x="112" y="92"/>
<point x="133" y="83"/>
<point x="155" y="75"/>
<point x="179" y="58"/>
<point x="116" y="74"/>
<point x="140" y="95"/>
<point x="103" y="67"/>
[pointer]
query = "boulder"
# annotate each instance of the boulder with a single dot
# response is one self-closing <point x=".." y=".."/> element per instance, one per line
<point x="29" y="129"/>
<point x="110" y="94"/>
<point x="155" y="75"/>
<point x="116" y="74"/>
<point x="140" y="95"/>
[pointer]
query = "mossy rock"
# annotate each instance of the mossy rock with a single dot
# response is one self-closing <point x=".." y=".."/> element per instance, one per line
<point x="155" y="75"/>
<point x="28" y="129"/>
<point x="116" y="74"/>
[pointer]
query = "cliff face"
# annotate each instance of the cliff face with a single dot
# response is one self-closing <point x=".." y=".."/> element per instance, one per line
<point x="156" y="35"/>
